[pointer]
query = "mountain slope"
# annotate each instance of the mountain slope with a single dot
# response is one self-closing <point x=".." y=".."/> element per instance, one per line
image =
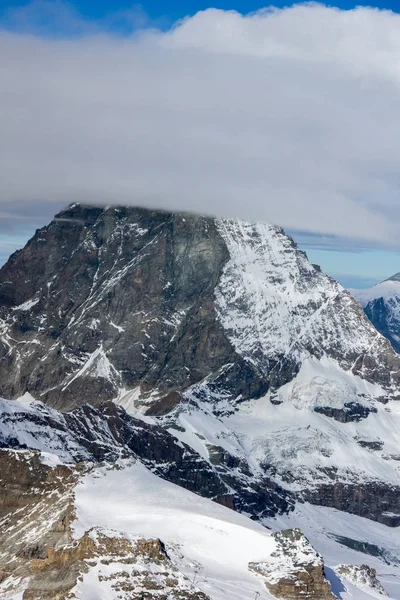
<point x="381" y="304"/>
<point x="148" y="538"/>
<point x="108" y="433"/>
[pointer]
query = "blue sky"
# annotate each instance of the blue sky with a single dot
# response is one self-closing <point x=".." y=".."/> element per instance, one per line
<point x="172" y="11"/>
<point x="350" y="192"/>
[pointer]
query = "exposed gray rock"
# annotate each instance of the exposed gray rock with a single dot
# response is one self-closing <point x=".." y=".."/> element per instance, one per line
<point x="374" y="500"/>
<point x="352" y="411"/>
<point x="371" y="444"/>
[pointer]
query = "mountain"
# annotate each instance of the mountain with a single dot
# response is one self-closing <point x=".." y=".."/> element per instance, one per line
<point x="143" y="305"/>
<point x="381" y="304"/>
<point x="214" y="356"/>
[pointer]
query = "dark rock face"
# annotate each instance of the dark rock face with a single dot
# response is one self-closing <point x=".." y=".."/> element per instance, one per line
<point x="103" y="301"/>
<point x="23" y="482"/>
<point x="371" y="444"/>
<point x="125" y="294"/>
<point x="377" y="501"/>
<point x="352" y="411"/>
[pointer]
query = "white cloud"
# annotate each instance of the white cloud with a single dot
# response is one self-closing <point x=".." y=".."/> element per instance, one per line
<point x="289" y="116"/>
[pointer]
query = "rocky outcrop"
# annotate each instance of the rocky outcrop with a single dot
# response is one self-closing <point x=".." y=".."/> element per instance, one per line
<point x="375" y="500"/>
<point x="294" y="570"/>
<point x="132" y="571"/>
<point x="362" y="576"/>
<point x="351" y="412"/>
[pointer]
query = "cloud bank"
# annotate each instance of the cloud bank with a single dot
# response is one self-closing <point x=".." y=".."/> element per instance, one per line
<point x="289" y="116"/>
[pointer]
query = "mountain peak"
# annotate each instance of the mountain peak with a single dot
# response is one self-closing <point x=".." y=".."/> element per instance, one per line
<point x="395" y="277"/>
<point x="124" y="302"/>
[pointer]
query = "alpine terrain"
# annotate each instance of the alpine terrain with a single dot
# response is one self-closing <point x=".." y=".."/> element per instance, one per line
<point x="382" y="306"/>
<point x="191" y="410"/>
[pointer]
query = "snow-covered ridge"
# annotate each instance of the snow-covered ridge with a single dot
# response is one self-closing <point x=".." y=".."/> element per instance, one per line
<point x="268" y="290"/>
<point x="210" y="539"/>
<point x="212" y="545"/>
<point x="31" y="424"/>
<point x="276" y="306"/>
<point x="386" y="290"/>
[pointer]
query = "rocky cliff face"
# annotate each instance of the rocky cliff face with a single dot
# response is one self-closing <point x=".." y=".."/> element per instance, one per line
<point x="105" y="302"/>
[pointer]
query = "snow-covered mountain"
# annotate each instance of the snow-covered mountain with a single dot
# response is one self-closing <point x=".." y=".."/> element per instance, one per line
<point x="143" y="306"/>
<point x="381" y="304"/>
<point x="213" y="354"/>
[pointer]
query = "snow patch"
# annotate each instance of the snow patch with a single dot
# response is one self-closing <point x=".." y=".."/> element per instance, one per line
<point x="132" y="501"/>
<point x="324" y="383"/>
<point x="27" y="305"/>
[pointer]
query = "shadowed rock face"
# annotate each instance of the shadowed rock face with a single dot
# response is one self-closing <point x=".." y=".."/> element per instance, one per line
<point x="375" y="500"/>
<point x="127" y="295"/>
<point x="351" y="411"/>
